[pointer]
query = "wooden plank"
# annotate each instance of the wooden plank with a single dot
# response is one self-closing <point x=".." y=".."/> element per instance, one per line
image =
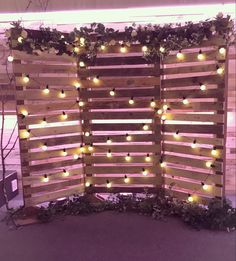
<point x="119" y="169"/>
<point x="196" y="106"/>
<point x="216" y="118"/>
<point x="195" y="175"/>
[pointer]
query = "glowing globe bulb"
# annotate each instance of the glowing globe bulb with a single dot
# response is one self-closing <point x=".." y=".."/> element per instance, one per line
<point x="163" y="117"/>
<point x="127" y="158"/>
<point x="44" y="147"/>
<point x="109" y="141"/>
<point x="131" y="101"/>
<point x="123" y="49"/>
<point x="46" y="90"/>
<point x="176" y="135"/>
<point x="103" y="47"/>
<point x="108" y="184"/>
<point x="96" y="79"/>
<point x="62" y="94"/>
<point x="76" y="49"/>
<point x="128" y="137"/>
<point x="64" y="115"/>
<point x="112" y="92"/>
<point x="87" y="184"/>
<point x="82" y="149"/>
<point x="45" y="178"/>
<point x="65" y="173"/>
<point x="162" y="49"/>
<point x="165" y="107"/>
<point x="87" y="134"/>
<point x="205" y="187"/>
<point x="214" y="152"/>
<point x="20" y="39"/>
<point x="144" y="48"/>
<point x="145" y="127"/>
<point x="209" y="164"/>
<point x="64" y="153"/>
<point x="220" y="70"/>
<point x="194" y="145"/>
<point x="109" y="155"/>
<point x="222" y="51"/>
<point x="159" y="111"/>
<point x="144" y="172"/>
<point x="180" y="55"/>
<point x="190" y="199"/>
<point x="185" y="101"/>
<point x="77" y="85"/>
<point x="81" y="64"/>
<point x="26" y="78"/>
<point x="26" y="134"/>
<point x="90" y="148"/>
<point x="24" y="112"/>
<point x="202" y="87"/>
<point x="10" y="58"/>
<point x="201" y="56"/>
<point x="153" y="104"/>
<point x="126" y="179"/>
<point x="75" y="156"/>
<point x="81" y="103"/>
<point x="162" y="164"/>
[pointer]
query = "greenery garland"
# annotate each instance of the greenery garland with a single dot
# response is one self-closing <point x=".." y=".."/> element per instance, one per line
<point x="86" y="42"/>
<point x="218" y="215"/>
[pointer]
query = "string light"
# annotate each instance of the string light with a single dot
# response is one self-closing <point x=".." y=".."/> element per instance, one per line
<point x="46" y="90"/>
<point x="62" y="94"/>
<point x="222" y="50"/>
<point x="209" y="164"/>
<point x="44" y="146"/>
<point x="90" y="147"/>
<point x="64" y="152"/>
<point x="108" y="184"/>
<point x="176" y="135"/>
<point x="204" y="186"/>
<point x="126" y="179"/>
<point x="112" y="92"/>
<point x="103" y="47"/>
<point x="190" y="198"/>
<point x="62" y="36"/>
<point x="26" y="78"/>
<point x="82" y="41"/>
<point x="214" y="151"/>
<point x="77" y="85"/>
<point x="194" y="144"/>
<point x="162" y="49"/>
<point x="81" y="64"/>
<point x="76" y="156"/>
<point x="65" y="173"/>
<point x="165" y="107"/>
<point x="20" y="39"/>
<point x="145" y="127"/>
<point x="82" y="148"/>
<point x="162" y="163"/>
<point x="87" y="133"/>
<point x="152" y="103"/>
<point x="10" y="58"/>
<point x="64" y="115"/>
<point x="144" y="172"/>
<point x="219" y="69"/>
<point x="180" y="55"/>
<point x="45" y="178"/>
<point x="148" y="158"/>
<point x="127" y="157"/>
<point x="163" y="117"/>
<point x="109" y="154"/>
<point x="24" y="112"/>
<point x="96" y="79"/>
<point x="202" y="87"/>
<point x="44" y="121"/>
<point x="109" y="141"/>
<point x="87" y="184"/>
<point x="76" y="49"/>
<point x="144" y="48"/>
<point x="123" y="48"/>
<point x="185" y="101"/>
<point x="131" y="101"/>
<point x="200" y="56"/>
<point x="81" y="103"/>
<point x="26" y="134"/>
<point x="128" y="137"/>
<point x="159" y="111"/>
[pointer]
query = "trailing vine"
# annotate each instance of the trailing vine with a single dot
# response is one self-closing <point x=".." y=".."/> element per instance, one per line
<point x="86" y="42"/>
<point x="217" y="215"/>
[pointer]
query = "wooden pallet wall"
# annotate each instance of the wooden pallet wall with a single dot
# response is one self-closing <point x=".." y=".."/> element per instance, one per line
<point x="200" y="121"/>
<point x="49" y="126"/>
<point x="117" y="110"/>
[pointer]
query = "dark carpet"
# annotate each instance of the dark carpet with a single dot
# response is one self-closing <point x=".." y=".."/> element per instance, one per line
<point x="115" y="237"/>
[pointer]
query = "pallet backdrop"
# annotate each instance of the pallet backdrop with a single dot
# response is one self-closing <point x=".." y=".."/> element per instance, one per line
<point x="100" y="128"/>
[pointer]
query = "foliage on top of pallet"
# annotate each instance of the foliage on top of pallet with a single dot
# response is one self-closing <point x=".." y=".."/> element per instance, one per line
<point x="86" y="42"/>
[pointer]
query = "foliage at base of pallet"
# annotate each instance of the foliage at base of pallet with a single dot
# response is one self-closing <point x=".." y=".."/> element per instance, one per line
<point x="217" y="215"/>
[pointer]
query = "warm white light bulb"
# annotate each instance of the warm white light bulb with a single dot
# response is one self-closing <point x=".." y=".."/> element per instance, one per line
<point x="180" y="55"/>
<point x="76" y="49"/>
<point x="62" y="94"/>
<point x="159" y="111"/>
<point x="77" y="85"/>
<point x="131" y="101"/>
<point x="123" y="49"/>
<point x="108" y="184"/>
<point x="90" y="148"/>
<point x="64" y="115"/>
<point x="112" y="92"/>
<point x="222" y="51"/>
<point x="81" y="64"/>
<point x="162" y="49"/>
<point x="220" y="70"/>
<point x="127" y="157"/>
<point x="109" y="141"/>
<point x="128" y="137"/>
<point x="152" y="104"/>
<point x="190" y="198"/>
<point x="26" y="78"/>
<point x="163" y="117"/>
<point x="87" y="134"/>
<point x="126" y="179"/>
<point x="144" y="172"/>
<point x="65" y="173"/>
<point x="24" y="112"/>
<point x="209" y="164"/>
<point x="201" y="56"/>
<point x="46" y="90"/>
<point x="214" y="152"/>
<point x="202" y="87"/>
<point x="10" y="58"/>
<point x="87" y="184"/>
<point x="162" y="164"/>
<point x="44" y="147"/>
<point x="20" y="39"/>
<point x="103" y="47"/>
<point x="81" y="103"/>
<point x="64" y="152"/>
<point x="144" y="48"/>
<point x="109" y="155"/>
<point x="96" y="79"/>
<point x="205" y="186"/>
<point x="75" y="156"/>
<point x="165" y="107"/>
<point x="45" y="178"/>
<point x="185" y="101"/>
<point x="145" y="127"/>
<point x="148" y="158"/>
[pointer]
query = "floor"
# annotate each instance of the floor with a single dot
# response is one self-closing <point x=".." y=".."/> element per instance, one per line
<point x="113" y="236"/>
